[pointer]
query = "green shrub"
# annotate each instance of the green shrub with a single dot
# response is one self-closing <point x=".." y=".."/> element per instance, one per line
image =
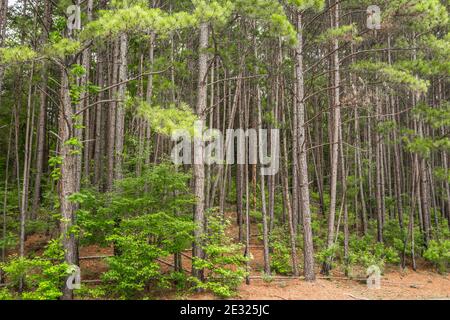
<point x="132" y="270"/>
<point x="280" y="261"/>
<point x="326" y="255"/>
<point x="439" y="254"/>
<point x="224" y="261"/>
<point x="366" y="252"/>
<point x="140" y="242"/>
<point x="42" y="277"/>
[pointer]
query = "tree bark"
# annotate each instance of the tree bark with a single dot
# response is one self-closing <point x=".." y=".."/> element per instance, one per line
<point x="67" y="182"/>
<point x="308" y="247"/>
<point x="334" y="138"/>
<point x="3" y="13"/>
<point x="120" y="124"/>
<point x="199" y="167"/>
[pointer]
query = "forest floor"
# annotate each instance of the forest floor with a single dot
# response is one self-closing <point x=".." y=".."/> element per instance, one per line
<point x="396" y="284"/>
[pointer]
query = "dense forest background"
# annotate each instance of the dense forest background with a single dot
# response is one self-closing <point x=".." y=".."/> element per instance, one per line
<point x="88" y="108"/>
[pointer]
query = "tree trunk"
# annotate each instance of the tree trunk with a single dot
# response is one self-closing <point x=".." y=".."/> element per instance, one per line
<point x="334" y="138"/>
<point x="26" y="163"/>
<point x="199" y="167"/>
<point x="288" y="206"/>
<point x="120" y="121"/>
<point x="99" y="134"/>
<point x="3" y="12"/>
<point x="67" y="182"/>
<point x="110" y="151"/>
<point x="308" y="247"/>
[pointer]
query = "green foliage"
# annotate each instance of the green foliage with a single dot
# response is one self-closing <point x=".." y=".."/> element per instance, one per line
<point x="436" y="117"/>
<point x="393" y="74"/>
<point x="213" y="11"/>
<point x="42" y="277"/>
<point x="167" y="120"/>
<point x="441" y="174"/>
<point x="326" y="255"/>
<point x="421" y="15"/>
<point x="132" y="270"/>
<point x="5" y="294"/>
<point x="317" y="5"/>
<point x="161" y="190"/>
<point x="135" y="219"/>
<point x="425" y="145"/>
<point x="137" y="19"/>
<point x="62" y="48"/>
<point x="438" y="252"/>
<point x="77" y="70"/>
<point x="366" y="252"/>
<point x="269" y="14"/>
<point x="55" y="164"/>
<point x="280" y="261"/>
<point x="140" y="242"/>
<point x="342" y="33"/>
<point x="16" y="54"/>
<point x="224" y="260"/>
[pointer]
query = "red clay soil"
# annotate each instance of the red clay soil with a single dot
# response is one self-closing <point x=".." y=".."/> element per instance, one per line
<point x="394" y="286"/>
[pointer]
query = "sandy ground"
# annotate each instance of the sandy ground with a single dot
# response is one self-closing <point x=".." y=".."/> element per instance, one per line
<point x="394" y="286"/>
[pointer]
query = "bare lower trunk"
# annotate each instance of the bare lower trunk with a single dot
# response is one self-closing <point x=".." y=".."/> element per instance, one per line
<point x="334" y="139"/>
<point x="110" y="150"/>
<point x="288" y="205"/>
<point x="379" y="177"/>
<point x="99" y="134"/>
<point x="3" y="11"/>
<point x="26" y="164"/>
<point x="308" y="247"/>
<point x="120" y="117"/>
<point x="42" y="120"/>
<point x="199" y="167"/>
<point x="67" y="182"/>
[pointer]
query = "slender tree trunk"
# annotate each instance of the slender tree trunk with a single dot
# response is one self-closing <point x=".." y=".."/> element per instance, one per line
<point x="262" y="183"/>
<point x="247" y="223"/>
<point x="379" y="173"/>
<point x="344" y="204"/>
<point x="86" y="62"/>
<point x="360" y="173"/>
<point x="262" y="177"/>
<point x="334" y="138"/>
<point x="240" y="171"/>
<point x="99" y="115"/>
<point x="3" y="12"/>
<point x="42" y="120"/>
<point x="67" y="182"/>
<point x="5" y="197"/>
<point x="199" y="167"/>
<point x="308" y="247"/>
<point x="120" y="120"/>
<point x="149" y="94"/>
<point x="26" y="164"/>
<point x="288" y="206"/>
<point x="110" y="151"/>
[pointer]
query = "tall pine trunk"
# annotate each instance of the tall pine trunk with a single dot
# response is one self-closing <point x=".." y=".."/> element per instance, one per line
<point x="308" y="247"/>
<point x="68" y="181"/>
<point x="199" y="167"/>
